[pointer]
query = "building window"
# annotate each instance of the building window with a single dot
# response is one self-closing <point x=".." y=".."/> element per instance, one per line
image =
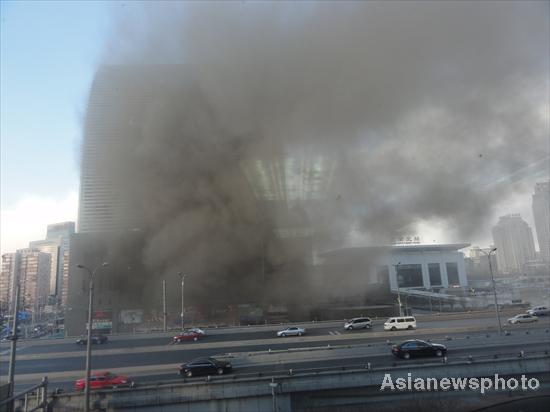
<point x="435" y="274"/>
<point x="452" y="273"/>
<point x="409" y="276"/>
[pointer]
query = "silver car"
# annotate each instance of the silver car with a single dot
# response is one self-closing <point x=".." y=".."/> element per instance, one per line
<point x="522" y="318"/>
<point x="291" y="331"/>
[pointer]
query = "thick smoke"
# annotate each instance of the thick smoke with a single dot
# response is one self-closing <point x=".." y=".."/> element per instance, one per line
<point x="414" y="108"/>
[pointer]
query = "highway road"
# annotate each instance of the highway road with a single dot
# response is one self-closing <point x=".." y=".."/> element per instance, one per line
<point x="151" y="357"/>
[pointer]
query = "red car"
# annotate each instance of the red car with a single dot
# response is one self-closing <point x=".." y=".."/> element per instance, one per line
<point x="186" y="336"/>
<point x="101" y="380"/>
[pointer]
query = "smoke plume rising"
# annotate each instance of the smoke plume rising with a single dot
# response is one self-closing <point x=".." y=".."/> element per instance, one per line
<point x="413" y="108"/>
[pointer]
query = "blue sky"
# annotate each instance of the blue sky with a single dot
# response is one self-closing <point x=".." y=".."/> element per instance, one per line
<point x="49" y="51"/>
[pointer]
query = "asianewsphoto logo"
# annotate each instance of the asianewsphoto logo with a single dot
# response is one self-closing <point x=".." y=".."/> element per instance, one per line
<point x="458" y="384"/>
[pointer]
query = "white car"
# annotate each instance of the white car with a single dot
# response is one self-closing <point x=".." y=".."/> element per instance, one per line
<point x="358" y="323"/>
<point x="197" y="330"/>
<point x="522" y="318"/>
<point x="291" y="331"/>
<point x="539" y="311"/>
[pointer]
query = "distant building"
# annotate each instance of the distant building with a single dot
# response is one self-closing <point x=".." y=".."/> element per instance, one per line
<point x="477" y="263"/>
<point x="515" y="244"/>
<point x="57" y="244"/>
<point x="32" y="269"/>
<point x="541" y="214"/>
<point x="51" y="248"/>
<point x="409" y="266"/>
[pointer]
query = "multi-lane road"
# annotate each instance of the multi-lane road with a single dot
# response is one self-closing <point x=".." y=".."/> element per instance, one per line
<point x="152" y="357"/>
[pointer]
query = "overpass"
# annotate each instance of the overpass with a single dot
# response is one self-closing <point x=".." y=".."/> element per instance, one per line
<point x="337" y="389"/>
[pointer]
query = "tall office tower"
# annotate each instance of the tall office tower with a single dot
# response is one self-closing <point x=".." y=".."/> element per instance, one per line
<point x="6" y="276"/>
<point x="114" y="109"/>
<point x="32" y="269"/>
<point x="514" y="241"/>
<point x="52" y="248"/>
<point x="57" y="244"/>
<point x="541" y="213"/>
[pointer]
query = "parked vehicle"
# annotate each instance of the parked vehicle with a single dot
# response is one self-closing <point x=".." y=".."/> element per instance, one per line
<point x="539" y="311"/>
<point x="291" y="331"/>
<point x="522" y="318"/>
<point x="400" y="322"/>
<point x="205" y="366"/>
<point x="358" y="323"/>
<point x="101" y="380"/>
<point x="186" y="337"/>
<point x="416" y="348"/>
<point x="96" y="339"/>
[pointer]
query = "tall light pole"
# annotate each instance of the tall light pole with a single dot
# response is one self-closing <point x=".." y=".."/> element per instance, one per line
<point x="493" y="250"/>
<point x="91" y="273"/>
<point x="14" y="337"/>
<point x="398" y="294"/>
<point x="164" y="305"/>
<point x="182" y="276"/>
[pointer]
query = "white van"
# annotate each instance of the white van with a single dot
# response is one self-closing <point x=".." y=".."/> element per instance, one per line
<point x="400" y="322"/>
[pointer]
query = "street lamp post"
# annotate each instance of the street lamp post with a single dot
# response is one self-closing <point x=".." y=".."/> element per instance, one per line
<point x="182" y="276"/>
<point x="14" y="337"/>
<point x="494" y="288"/>
<point x="91" y="273"/>
<point x="398" y="294"/>
<point x="164" y="305"/>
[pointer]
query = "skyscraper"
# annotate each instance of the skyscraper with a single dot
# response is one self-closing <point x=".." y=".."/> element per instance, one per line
<point x="541" y="214"/>
<point x="57" y="244"/>
<point x="514" y="241"/>
<point x="32" y="269"/>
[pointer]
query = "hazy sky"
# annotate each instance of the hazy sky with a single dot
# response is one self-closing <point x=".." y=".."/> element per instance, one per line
<point x="49" y="53"/>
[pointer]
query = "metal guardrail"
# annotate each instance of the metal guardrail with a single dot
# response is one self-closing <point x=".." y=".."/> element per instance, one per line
<point x="354" y="368"/>
<point x="40" y="394"/>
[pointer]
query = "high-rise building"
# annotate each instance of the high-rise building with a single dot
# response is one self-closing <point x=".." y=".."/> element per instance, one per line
<point x="32" y="269"/>
<point x="541" y="214"/>
<point x="515" y="244"/>
<point x="57" y="244"/>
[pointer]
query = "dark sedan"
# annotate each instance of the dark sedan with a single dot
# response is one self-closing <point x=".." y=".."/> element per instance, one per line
<point x="205" y="366"/>
<point x="417" y="348"/>
<point x="98" y="339"/>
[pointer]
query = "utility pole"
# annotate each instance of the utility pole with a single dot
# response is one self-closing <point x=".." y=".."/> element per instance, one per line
<point x="494" y="288"/>
<point x="14" y="337"/>
<point x="182" y="276"/>
<point x="397" y="282"/>
<point x="164" y="305"/>
<point x="89" y="341"/>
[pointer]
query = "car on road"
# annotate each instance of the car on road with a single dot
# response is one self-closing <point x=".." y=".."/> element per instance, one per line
<point x="205" y="366"/>
<point x="97" y="339"/>
<point x="198" y="331"/>
<point x="539" y="311"/>
<point x="358" y="323"/>
<point x="417" y="348"/>
<point x="522" y="318"/>
<point x="102" y="380"/>
<point x="186" y="337"/>
<point x="291" y="331"/>
<point x="400" y="322"/>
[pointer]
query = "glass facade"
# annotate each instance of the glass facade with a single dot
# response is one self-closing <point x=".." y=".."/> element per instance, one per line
<point x="409" y="276"/>
<point x="435" y="274"/>
<point x="452" y="273"/>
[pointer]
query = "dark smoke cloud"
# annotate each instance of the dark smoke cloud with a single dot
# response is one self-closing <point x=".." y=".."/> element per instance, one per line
<point x="418" y="107"/>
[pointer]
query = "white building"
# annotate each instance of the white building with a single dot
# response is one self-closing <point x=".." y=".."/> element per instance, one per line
<point x="514" y="241"/>
<point x="426" y="266"/>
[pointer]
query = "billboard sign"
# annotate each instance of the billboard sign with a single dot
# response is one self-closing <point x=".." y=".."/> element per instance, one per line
<point x="129" y="317"/>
